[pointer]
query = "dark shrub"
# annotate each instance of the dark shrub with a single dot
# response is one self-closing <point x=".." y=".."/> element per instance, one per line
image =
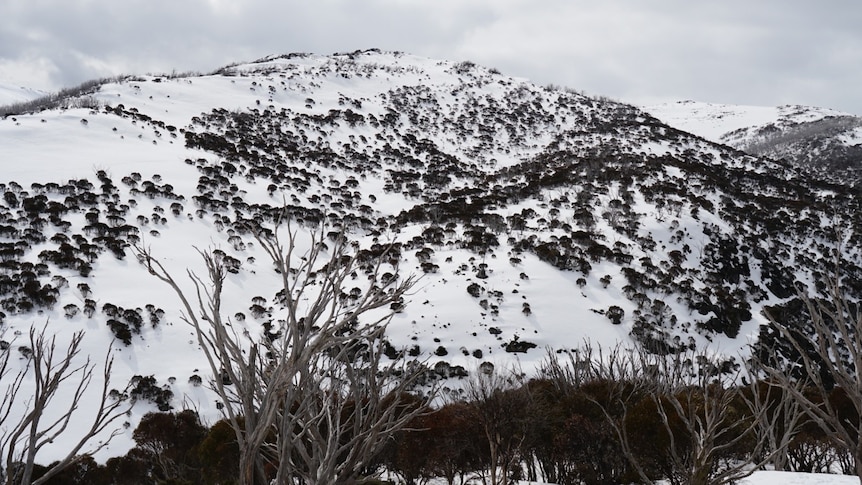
<point x="615" y="314"/>
<point x="219" y="454"/>
<point x="170" y="439"/>
<point x="147" y="388"/>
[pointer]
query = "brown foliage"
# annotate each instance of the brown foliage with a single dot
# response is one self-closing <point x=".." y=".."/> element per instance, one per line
<point x="170" y="440"/>
<point x="446" y="442"/>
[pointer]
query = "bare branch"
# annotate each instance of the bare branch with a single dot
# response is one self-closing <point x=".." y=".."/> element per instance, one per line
<point x="22" y="440"/>
<point x="829" y="358"/>
<point x="317" y="385"/>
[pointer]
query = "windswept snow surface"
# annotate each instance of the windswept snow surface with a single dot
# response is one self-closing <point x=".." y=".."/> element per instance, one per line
<point x="10" y="94"/>
<point x="71" y="144"/>
<point x="715" y="121"/>
<point x="742" y="126"/>
<point x="710" y="120"/>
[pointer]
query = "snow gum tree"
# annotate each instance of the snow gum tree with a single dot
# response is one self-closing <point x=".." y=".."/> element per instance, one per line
<point x="681" y="417"/>
<point x="499" y="403"/>
<point x="826" y="356"/>
<point x="310" y="400"/>
<point x="61" y="378"/>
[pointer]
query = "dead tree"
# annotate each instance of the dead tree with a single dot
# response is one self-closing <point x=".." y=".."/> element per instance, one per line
<point x="612" y="380"/>
<point x="45" y="419"/>
<point x="341" y="412"/>
<point x="500" y="401"/>
<point x="780" y="415"/>
<point x="702" y="420"/>
<point x="297" y="380"/>
<point x="694" y="393"/>
<point x="828" y="355"/>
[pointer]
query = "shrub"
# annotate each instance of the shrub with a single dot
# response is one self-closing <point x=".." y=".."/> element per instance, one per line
<point x="588" y="452"/>
<point x="121" y="331"/>
<point x="219" y="454"/>
<point x="71" y="310"/>
<point x="615" y="314"/>
<point x="147" y="388"/>
<point x="516" y="345"/>
<point x="170" y="440"/>
<point x="83" y="469"/>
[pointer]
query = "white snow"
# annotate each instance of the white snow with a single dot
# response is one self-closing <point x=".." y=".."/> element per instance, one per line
<point x="715" y="121"/>
<point x="793" y="478"/>
<point x="852" y="137"/>
<point x="10" y="94"/>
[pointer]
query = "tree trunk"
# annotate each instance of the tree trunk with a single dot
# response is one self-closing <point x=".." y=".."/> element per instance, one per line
<point x="246" y="469"/>
<point x="779" y="462"/>
<point x="251" y="464"/>
<point x="858" y="459"/>
<point x="493" y="467"/>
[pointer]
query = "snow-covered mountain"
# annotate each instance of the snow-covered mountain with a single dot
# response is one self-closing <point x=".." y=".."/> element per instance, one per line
<point x="10" y="94"/>
<point x="538" y="218"/>
<point x="822" y="140"/>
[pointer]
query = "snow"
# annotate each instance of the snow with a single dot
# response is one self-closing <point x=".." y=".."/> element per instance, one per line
<point x="794" y="478"/>
<point x="10" y="94"/>
<point x="852" y="137"/>
<point x="714" y="121"/>
<point x="710" y="120"/>
<point x="61" y="145"/>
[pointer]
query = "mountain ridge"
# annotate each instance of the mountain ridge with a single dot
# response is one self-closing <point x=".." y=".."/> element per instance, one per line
<point x="822" y="141"/>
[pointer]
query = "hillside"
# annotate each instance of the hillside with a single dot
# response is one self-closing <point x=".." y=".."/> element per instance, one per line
<point x="537" y="217"/>
<point x="10" y="94"/>
<point x="823" y="141"/>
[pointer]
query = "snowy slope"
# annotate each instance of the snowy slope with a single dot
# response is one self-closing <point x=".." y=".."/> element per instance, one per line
<point x="10" y="94"/>
<point x="530" y="213"/>
<point x="815" y="138"/>
<point x="715" y="121"/>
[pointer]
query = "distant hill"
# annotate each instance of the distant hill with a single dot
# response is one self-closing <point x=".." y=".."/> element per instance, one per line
<point x="821" y="140"/>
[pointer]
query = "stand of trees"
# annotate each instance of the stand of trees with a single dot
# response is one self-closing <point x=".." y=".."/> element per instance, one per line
<point x="575" y="422"/>
<point x="825" y="357"/>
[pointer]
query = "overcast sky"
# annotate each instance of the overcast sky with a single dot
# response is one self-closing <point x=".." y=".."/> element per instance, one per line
<point x="762" y="52"/>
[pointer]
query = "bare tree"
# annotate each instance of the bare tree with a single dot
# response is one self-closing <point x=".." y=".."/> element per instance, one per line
<point x="500" y="401"/>
<point x="828" y="355"/>
<point x="301" y="387"/>
<point x="613" y="381"/>
<point x="250" y="395"/>
<point x="694" y="394"/>
<point x="780" y="417"/>
<point x="707" y="432"/>
<point x="45" y="418"/>
<point x="341" y="411"/>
